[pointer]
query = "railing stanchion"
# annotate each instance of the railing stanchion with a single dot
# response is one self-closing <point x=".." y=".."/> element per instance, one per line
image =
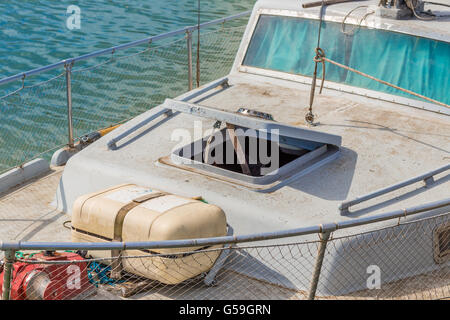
<point x="68" y="67"/>
<point x="318" y="266"/>
<point x="7" y="274"/>
<point x="189" y="57"/>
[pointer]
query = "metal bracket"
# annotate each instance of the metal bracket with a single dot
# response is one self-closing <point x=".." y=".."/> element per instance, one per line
<point x="210" y="278"/>
<point x="429" y="181"/>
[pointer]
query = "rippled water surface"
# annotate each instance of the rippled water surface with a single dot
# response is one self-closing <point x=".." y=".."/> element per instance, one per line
<point x="34" y="34"/>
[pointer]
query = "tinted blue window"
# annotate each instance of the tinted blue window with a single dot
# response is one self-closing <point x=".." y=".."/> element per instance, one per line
<point x="288" y="44"/>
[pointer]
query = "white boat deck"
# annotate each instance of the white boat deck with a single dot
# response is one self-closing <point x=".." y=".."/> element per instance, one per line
<point x="27" y="213"/>
<point x="382" y="144"/>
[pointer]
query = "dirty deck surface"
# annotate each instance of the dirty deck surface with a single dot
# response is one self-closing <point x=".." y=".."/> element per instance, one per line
<point x="26" y="212"/>
<point x="382" y="144"/>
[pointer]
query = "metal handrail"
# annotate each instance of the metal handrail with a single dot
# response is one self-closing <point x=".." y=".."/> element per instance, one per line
<point x="68" y="63"/>
<point x="426" y="177"/>
<point x="323" y="228"/>
<point x="324" y="232"/>
<point x="121" y="47"/>
<point x="161" y="110"/>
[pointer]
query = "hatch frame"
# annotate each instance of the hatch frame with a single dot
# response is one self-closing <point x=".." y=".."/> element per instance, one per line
<point x="328" y="151"/>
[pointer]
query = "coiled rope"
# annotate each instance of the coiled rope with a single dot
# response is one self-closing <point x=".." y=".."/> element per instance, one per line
<point x="437" y="4"/>
<point x="411" y="4"/>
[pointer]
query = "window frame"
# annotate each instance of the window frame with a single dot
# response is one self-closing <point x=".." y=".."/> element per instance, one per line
<point x="240" y="67"/>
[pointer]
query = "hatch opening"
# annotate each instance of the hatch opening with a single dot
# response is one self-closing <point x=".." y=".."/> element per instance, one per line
<point x="249" y="149"/>
<point x="263" y="153"/>
<point x="266" y="157"/>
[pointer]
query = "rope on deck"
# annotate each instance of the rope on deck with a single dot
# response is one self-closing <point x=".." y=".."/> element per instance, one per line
<point x="320" y="58"/>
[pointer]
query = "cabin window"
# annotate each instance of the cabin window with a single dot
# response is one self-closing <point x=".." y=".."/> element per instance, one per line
<point x="287" y="44"/>
<point x="442" y="243"/>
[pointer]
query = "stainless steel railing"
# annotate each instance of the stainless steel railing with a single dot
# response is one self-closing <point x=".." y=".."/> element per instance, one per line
<point x="323" y="230"/>
<point x="67" y="64"/>
<point x="68" y="68"/>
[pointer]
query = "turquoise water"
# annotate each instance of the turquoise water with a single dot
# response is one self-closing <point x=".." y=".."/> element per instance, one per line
<point x="34" y="34"/>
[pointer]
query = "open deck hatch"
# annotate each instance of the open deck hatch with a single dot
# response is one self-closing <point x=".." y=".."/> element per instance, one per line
<point x="252" y="150"/>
